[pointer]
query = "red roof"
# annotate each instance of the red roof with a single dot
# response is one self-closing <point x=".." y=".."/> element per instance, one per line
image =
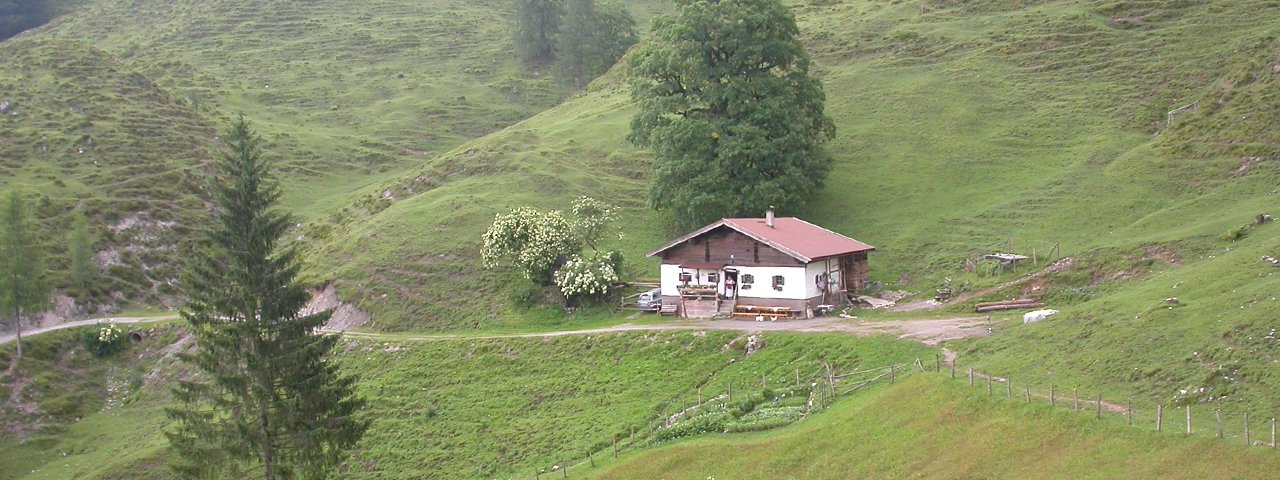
<point x="801" y="240"/>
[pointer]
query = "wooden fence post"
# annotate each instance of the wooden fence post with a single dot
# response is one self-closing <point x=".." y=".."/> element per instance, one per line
<point x="953" y="371"/>
<point x="1217" y="417"/>
<point x="564" y="468"/>
<point x="1247" y="441"/>
<point x="592" y="458"/>
<point x="1159" y="416"/>
<point x="892" y="373"/>
<point x="1008" y="387"/>
<point x="970" y="377"/>
<point x="1075" y="398"/>
<point x="1273" y="432"/>
<point x="537" y="474"/>
<point x="1128" y="412"/>
<point x="1098" y="403"/>
<point x="763" y="384"/>
<point x="615" y="445"/>
<point x="937" y="362"/>
<point x="797" y="377"/>
<point x="1188" y="419"/>
<point x="988" y="385"/>
<point x="1052" y="401"/>
<point x="731" y="391"/>
<point x="1028" y="389"/>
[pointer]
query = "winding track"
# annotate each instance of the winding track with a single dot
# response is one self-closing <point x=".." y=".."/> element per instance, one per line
<point x="927" y="331"/>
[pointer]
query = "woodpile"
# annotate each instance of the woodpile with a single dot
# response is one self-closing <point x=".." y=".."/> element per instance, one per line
<point x="1008" y="305"/>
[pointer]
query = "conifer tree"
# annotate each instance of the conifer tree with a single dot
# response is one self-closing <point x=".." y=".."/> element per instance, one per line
<point x="267" y="398"/>
<point x="80" y="251"/>
<point x="537" y="24"/>
<point x="23" y="286"/>
<point x="592" y="38"/>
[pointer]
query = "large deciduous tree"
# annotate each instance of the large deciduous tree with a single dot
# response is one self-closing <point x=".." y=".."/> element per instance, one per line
<point x="268" y="396"/>
<point x="730" y="111"/>
<point x="537" y="24"/>
<point x="23" y="286"/>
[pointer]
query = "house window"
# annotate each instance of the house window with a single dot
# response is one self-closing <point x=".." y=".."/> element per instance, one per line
<point x="686" y="277"/>
<point x="748" y="279"/>
<point x="713" y="277"/>
<point x="778" y="282"/>
<point x="821" y="281"/>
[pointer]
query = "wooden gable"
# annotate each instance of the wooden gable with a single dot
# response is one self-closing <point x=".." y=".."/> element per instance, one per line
<point x="726" y="246"/>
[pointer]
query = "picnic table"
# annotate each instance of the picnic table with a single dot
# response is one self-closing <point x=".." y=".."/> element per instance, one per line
<point x="761" y="311"/>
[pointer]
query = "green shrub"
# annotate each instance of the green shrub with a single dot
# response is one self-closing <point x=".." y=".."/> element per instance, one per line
<point x="105" y="340"/>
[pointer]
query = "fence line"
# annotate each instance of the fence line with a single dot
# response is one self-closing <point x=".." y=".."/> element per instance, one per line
<point x="1100" y="406"/>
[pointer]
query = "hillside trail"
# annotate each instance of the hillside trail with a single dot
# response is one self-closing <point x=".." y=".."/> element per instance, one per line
<point x="1057" y="266"/>
<point x="84" y="323"/>
<point x="930" y="331"/>
<point x="927" y="331"/>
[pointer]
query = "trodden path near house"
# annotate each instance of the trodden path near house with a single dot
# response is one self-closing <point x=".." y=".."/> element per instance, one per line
<point x="927" y="331"/>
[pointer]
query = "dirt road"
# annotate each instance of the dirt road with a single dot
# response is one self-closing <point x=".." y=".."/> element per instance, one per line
<point x="929" y="332"/>
<point x="83" y="323"/>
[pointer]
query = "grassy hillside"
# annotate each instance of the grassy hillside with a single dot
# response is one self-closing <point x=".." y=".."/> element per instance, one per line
<point x="965" y="129"/>
<point x="80" y="128"/>
<point x="491" y="408"/>
<point x="131" y="96"/>
<point x="928" y="427"/>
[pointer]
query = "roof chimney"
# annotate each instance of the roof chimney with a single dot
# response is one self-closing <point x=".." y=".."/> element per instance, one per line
<point x="768" y="216"/>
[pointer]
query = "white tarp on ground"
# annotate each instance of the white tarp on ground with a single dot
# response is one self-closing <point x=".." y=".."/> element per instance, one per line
<point x="1038" y="315"/>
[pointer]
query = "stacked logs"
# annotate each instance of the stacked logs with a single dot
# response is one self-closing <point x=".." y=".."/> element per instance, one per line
<point x="1008" y="305"/>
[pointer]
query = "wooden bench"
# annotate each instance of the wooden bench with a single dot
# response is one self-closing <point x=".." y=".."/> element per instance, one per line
<point x="667" y="310"/>
<point x="761" y="314"/>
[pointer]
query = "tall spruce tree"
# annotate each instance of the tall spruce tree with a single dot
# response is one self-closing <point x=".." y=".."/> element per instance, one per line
<point x="537" y="24"/>
<point x="592" y="39"/>
<point x="23" y="286"/>
<point x="80" y="251"/>
<point x="267" y="397"/>
<point x="728" y="107"/>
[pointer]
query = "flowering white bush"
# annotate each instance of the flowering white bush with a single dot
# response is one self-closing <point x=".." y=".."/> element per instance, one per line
<point x="587" y="277"/>
<point x="106" y="340"/>
<point x="535" y="241"/>
<point x="532" y="239"/>
<point x="109" y="333"/>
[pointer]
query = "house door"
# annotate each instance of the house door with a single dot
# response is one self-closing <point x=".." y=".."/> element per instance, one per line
<point x="730" y="288"/>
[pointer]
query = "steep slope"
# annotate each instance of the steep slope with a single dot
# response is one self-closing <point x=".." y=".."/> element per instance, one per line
<point x="343" y="91"/>
<point x="927" y="428"/>
<point x="963" y="128"/>
<point x="81" y="128"/>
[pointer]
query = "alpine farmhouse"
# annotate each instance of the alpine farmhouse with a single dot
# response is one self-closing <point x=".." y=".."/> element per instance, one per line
<point x="760" y="267"/>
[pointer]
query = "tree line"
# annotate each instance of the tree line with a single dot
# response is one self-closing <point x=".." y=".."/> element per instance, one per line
<point x="580" y="39"/>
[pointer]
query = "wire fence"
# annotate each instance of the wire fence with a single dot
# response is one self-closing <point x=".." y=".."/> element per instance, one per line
<point x="827" y="383"/>
<point x="1184" y="419"/>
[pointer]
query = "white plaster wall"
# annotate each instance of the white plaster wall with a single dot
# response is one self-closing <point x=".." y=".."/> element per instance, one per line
<point x="793" y="286"/>
<point x="812" y="270"/>
<point x="669" y="277"/>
